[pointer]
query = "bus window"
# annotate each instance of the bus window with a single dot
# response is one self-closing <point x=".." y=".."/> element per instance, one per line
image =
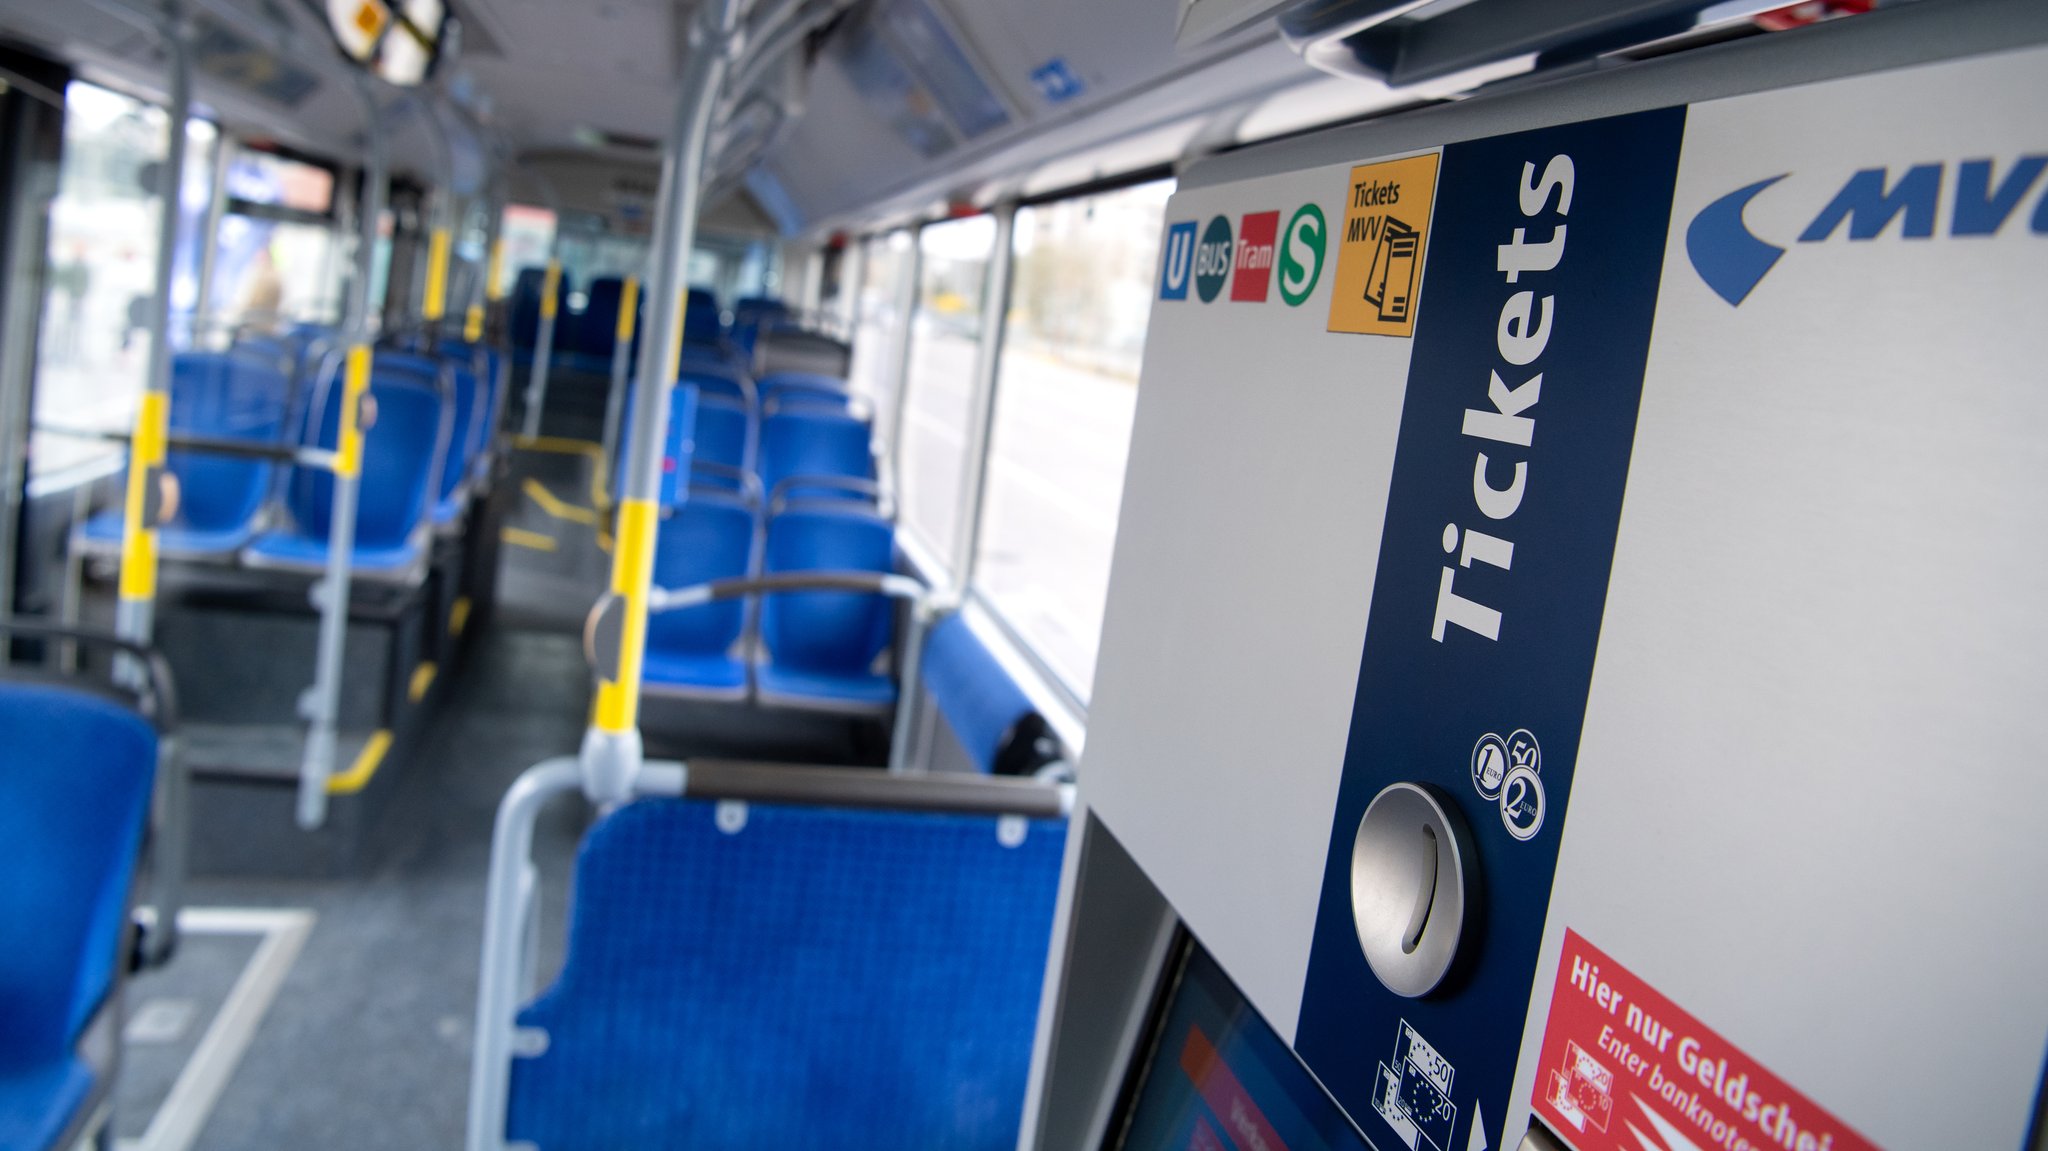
<point x="945" y="332"/>
<point x="529" y="235"/>
<point x="93" y="350"/>
<point x="878" y="323"/>
<point x="1066" y="389"/>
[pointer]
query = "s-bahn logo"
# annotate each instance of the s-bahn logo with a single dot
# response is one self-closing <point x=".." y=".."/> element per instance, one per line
<point x="1386" y="233"/>
<point x="1178" y="261"/>
<point x="1260" y="252"/>
<point x="1301" y="254"/>
<point x="1732" y="260"/>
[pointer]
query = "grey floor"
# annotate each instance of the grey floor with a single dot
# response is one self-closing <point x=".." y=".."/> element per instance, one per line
<point x="367" y="1043"/>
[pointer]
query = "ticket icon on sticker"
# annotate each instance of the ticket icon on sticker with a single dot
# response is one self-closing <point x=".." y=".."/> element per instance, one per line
<point x="1380" y="250"/>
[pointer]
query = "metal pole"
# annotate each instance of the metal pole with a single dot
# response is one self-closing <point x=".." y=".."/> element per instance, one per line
<point x="441" y="234"/>
<point x="543" y="345"/>
<point x="995" y="313"/>
<point x="622" y="352"/>
<point x="135" y="613"/>
<point x="611" y="751"/>
<point x="322" y="703"/>
<point x="209" y="247"/>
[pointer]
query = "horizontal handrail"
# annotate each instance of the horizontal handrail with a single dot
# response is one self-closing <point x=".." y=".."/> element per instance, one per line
<point x="948" y="792"/>
<point x="321" y="458"/>
<point x="711" y="591"/>
<point x="162" y="692"/>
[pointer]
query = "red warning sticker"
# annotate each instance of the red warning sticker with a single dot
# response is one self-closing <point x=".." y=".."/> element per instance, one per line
<point x="1625" y="1069"/>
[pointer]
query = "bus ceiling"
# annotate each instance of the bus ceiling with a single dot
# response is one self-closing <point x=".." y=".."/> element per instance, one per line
<point x="866" y="112"/>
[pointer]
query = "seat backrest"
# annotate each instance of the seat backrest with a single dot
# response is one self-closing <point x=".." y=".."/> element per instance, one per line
<point x="724" y="434"/>
<point x="706" y="537"/>
<point x="713" y="379"/>
<point x="995" y="723"/>
<point x="597" y="333"/>
<point x="75" y="778"/>
<point x="237" y="396"/>
<point x="810" y="388"/>
<point x="795" y="350"/>
<point x="402" y="456"/>
<point x="827" y="631"/>
<point x="814" y="442"/>
<point x="678" y="446"/>
<point x="701" y="321"/>
<point x="801" y="977"/>
<point x="462" y="443"/>
<point x="524" y="321"/>
<point x="482" y="361"/>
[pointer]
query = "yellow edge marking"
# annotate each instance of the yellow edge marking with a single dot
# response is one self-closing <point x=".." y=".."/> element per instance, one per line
<point x="458" y="616"/>
<point x="367" y="761"/>
<point x="422" y="679"/>
<point x="560" y="445"/>
<point x="520" y="537"/>
<point x="618" y="701"/>
<point x="539" y="494"/>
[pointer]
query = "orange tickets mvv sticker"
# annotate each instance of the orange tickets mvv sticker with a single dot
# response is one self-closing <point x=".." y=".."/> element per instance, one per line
<point x="1623" y="1069"/>
<point x="1380" y="250"/>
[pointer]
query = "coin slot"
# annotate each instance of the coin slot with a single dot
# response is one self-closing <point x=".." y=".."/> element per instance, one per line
<point x="1424" y="899"/>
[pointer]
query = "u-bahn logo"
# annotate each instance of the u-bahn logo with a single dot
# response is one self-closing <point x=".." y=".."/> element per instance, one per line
<point x="1379" y="259"/>
<point x="1178" y="261"/>
<point x="1212" y="259"/>
<point x="1732" y="260"/>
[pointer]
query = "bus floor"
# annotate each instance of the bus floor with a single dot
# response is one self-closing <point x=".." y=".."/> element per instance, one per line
<point x="337" y="1013"/>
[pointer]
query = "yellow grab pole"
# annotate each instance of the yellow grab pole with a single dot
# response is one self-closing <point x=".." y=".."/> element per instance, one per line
<point x="144" y="498"/>
<point x="436" y="304"/>
<point x="615" y="397"/>
<point x="495" y="270"/>
<point x="473" y="324"/>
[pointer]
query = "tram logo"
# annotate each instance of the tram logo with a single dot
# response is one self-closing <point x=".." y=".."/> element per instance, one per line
<point x="1212" y="259"/>
<point x="1178" y="261"/>
<point x="1301" y="254"/>
<point x="1732" y="260"/>
<point x="1253" y="272"/>
<point x="1379" y="258"/>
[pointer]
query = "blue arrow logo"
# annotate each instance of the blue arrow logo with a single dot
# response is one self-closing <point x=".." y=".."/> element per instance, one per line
<point x="1725" y="253"/>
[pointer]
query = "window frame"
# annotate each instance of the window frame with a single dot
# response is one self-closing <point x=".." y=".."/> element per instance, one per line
<point x="1063" y="707"/>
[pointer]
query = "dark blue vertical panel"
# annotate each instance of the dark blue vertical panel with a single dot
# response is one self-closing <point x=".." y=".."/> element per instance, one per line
<point x="1426" y="705"/>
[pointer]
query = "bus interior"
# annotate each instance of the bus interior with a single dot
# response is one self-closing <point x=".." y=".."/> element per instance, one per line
<point x="1086" y="646"/>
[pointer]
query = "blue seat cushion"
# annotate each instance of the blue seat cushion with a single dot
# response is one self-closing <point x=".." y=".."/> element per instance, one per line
<point x="862" y="690"/>
<point x="689" y="673"/>
<point x="172" y="542"/>
<point x="448" y="508"/>
<point x="37" y="1103"/>
<point x="291" y="549"/>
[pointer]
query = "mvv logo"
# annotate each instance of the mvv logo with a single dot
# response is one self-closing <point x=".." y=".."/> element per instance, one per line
<point x="1983" y="196"/>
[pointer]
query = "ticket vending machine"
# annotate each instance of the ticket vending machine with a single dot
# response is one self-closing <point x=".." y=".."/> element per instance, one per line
<point x="1576" y="661"/>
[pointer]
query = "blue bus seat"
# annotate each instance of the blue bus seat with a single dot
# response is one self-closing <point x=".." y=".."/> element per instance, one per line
<point x="690" y="651"/>
<point x="678" y="442"/>
<point x="76" y="774"/>
<point x="402" y="456"/>
<point x="597" y="330"/>
<point x="990" y="716"/>
<point x="220" y="396"/>
<point x="702" y="324"/>
<point x="866" y="980"/>
<point x="820" y="648"/>
<point x="484" y="363"/>
<point x="812" y="388"/>
<point x="462" y="442"/>
<point x="722" y="456"/>
<point x="812" y="444"/>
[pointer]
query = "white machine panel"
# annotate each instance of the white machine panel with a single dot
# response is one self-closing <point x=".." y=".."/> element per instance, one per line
<point x="1664" y="494"/>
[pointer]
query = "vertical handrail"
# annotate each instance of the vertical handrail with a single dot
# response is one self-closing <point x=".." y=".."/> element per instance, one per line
<point x="543" y="347"/>
<point x="995" y="318"/>
<point x="142" y="510"/>
<point x="611" y="752"/>
<point x="321" y="705"/>
<point x="441" y="230"/>
<point x="614" y="400"/>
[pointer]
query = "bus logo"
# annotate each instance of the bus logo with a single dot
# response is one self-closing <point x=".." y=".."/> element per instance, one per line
<point x="1212" y="259"/>
<point x="1301" y="254"/>
<point x="1255" y="242"/>
<point x="1387" y="209"/>
<point x="1179" y="261"/>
